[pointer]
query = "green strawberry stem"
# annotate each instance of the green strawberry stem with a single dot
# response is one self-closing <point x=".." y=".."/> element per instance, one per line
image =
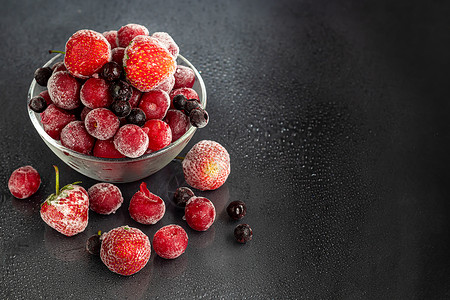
<point x="57" y="179"/>
<point x="56" y="51"/>
<point x="179" y="157"/>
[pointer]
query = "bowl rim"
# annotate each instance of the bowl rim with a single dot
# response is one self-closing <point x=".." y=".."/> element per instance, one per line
<point x="48" y="139"/>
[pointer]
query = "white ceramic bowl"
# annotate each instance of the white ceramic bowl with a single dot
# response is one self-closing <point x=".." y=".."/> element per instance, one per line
<point x="122" y="169"/>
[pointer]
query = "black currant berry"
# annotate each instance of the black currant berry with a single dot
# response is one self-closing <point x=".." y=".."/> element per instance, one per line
<point x="37" y="104"/>
<point x="190" y="105"/>
<point x="237" y="210"/>
<point x="182" y="195"/>
<point x="111" y="71"/>
<point x="42" y="75"/>
<point x="121" y="108"/>
<point x="198" y="117"/>
<point x="93" y="244"/>
<point x="243" y="233"/>
<point x="179" y="101"/>
<point x="137" y="117"/>
<point x="120" y="90"/>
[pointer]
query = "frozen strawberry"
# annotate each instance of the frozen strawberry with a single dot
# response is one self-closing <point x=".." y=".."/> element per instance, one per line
<point x="170" y="241"/>
<point x="117" y="55"/>
<point x="206" y="166"/>
<point x="111" y="37"/>
<point x="178" y="122"/>
<point x="199" y="213"/>
<point x="126" y="33"/>
<point x="75" y="136"/>
<point x="106" y="149"/>
<point x="167" y="42"/>
<point x="155" y="104"/>
<point x="189" y="93"/>
<point x="131" y="141"/>
<point x="67" y="210"/>
<point x="166" y="85"/>
<point x="86" y="52"/>
<point x="54" y="119"/>
<point x="24" y="182"/>
<point x="64" y="90"/>
<point x="145" y="207"/>
<point x="125" y="250"/>
<point x="184" y="77"/>
<point x="159" y="134"/>
<point x="147" y="63"/>
<point x="101" y="123"/>
<point x="95" y="93"/>
<point x="104" y="198"/>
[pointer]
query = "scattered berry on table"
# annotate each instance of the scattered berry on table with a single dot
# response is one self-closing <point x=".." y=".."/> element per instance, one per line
<point x="127" y="32"/>
<point x="104" y="198"/>
<point x="182" y="196"/>
<point x="178" y="122"/>
<point x="95" y="93"/>
<point x="111" y="37"/>
<point x="167" y="41"/>
<point x="93" y="244"/>
<point x="24" y="182"/>
<point x="131" y="141"/>
<point x="189" y="93"/>
<point x="243" y="233"/>
<point x="64" y="90"/>
<point x="170" y="241"/>
<point x="37" y="104"/>
<point x="179" y="101"/>
<point x="54" y="119"/>
<point x="75" y="136"/>
<point x="121" y="90"/>
<point x="184" y="77"/>
<point x="159" y="134"/>
<point x="137" y="117"/>
<point x="121" y="108"/>
<point x="155" y="104"/>
<point x="111" y="71"/>
<point x="146" y="207"/>
<point x="237" y="210"/>
<point x="199" y="213"/>
<point x="199" y="118"/>
<point x="101" y="123"/>
<point x="106" y="149"/>
<point x="41" y="75"/>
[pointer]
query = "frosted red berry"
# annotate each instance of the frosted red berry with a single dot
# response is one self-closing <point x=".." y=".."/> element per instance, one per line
<point x="126" y="33"/>
<point x="84" y="112"/>
<point x="106" y="149"/>
<point x="59" y="66"/>
<point x="166" y="85"/>
<point x="24" y="182"/>
<point x="170" y="241"/>
<point x="95" y="93"/>
<point x="178" y="122"/>
<point x="243" y="233"/>
<point x="184" y="77"/>
<point x="167" y="41"/>
<point x="101" y="123"/>
<point x="54" y="119"/>
<point x="104" y="198"/>
<point x="199" y="213"/>
<point x="159" y="134"/>
<point x="111" y="37"/>
<point x="64" y="90"/>
<point x="155" y="104"/>
<point x="46" y="96"/>
<point x="131" y="141"/>
<point x="75" y="136"/>
<point x="117" y="55"/>
<point x="146" y="207"/>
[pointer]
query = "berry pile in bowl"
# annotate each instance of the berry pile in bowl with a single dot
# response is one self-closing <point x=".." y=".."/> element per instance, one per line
<point x="117" y="106"/>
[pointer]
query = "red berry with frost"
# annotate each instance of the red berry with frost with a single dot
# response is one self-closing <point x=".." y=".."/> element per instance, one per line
<point x="131" y="141"/>
<point x="145" y="207"/>
<point x="64" y="90"/>
<point x="75" y="136"/>
<point x="178" y="122"/>
<point x="125" y="250"/>
<point x="206" y="166"/>
<point x="46" y="96"/>
<point x="166" y="85"/>
<point x="189" y="93"/>
<point x="170" y="241"/>
<point x="117" y="55"/>
<point x="199" y="213"/>
<point x="86" y="52"/>
<point x="168" y="42"/>
<point x="106" y="149"/>
<point x="101" y="123"/>
<point x="155" y="104"/>
<point x="111" y="37"/>
<point x="84" y="112"/>
<point x="24" y="182"/>
<point x="54" y="119"/>
<point x="126" y="33"/>
<point x="59" y="66"/>
<point x="66" y="210"/>
<point x="184" y="77"/>
<point x="95" y="93"/>
<point x="147" y="63"/>
<point x="159" y="134"/>
<point x="104" y="198"/>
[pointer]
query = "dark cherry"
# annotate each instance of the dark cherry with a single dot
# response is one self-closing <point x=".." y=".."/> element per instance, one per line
<point x="243" y="233"/>
<point x="198" y="117"/>
<point x="42" y="75"/>
<point x="179" y="101"/>
<point x="121" y="108"/>
<point x="93" y="244"/>
<point x="121" y="90"/>
<point x="236" y="209"/>
<point x="190" y="105"/>
<point x="182" y="196"/>
<point x="137" y="117"/>
<point x="111" y="71"/>
<point x="37" y="104"/>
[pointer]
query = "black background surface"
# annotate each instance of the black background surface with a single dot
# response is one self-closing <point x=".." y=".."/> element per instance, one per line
<point x="335" y="115"/>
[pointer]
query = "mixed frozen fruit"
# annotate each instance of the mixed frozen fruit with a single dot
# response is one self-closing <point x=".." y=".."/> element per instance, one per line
<point x="118" y="86"/>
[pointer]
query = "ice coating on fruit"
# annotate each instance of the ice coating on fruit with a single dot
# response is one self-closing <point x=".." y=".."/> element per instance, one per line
<point x="159" y="134"/>
<point x="101" y="123"/>
<point x="147" y="63"/>
<point x="64" y="90"/>
<point x="127" y="32"/>
<point x="106" y="149"/>
<point x="189" y="93"/>
<point x="131" y="141"/>
<point x="75" y="136"/>
<point x="168" y="42"/>
<point x="184" y="77"/>
<point x="111" y="37"/>
<point x="178" y="122"/>
<point x="117" y="55"/>
<point x="54" y="119"/>
<point x="46" y="96"/>
<point x="104" y="198"/>
<point x="206" y="166"/>
<point x="95" y="93"/>
<point x="166" y="85"/>
<point x="155" y="104"/>
<point x="199" y="213"/>
<point x="135" y="97"/>
<point x="146" y="207"/>
<point x="24" y="182"/>
<point x="84" y="112"/>
<point x="170" y="241"/>
<point x="86" y="52"/>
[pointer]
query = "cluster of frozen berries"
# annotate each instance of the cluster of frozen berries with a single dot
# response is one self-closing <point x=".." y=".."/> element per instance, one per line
<point x="113" y="95"/>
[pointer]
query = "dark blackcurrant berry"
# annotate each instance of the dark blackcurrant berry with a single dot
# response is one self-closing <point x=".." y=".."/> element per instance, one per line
<point x="182" y="195"/>
<point x="179" y="101"/>
<point x="190" y="105"/>
<point x="121" y="108"/>
<point x="137" y="117"/>
<point x="111" y="71"/>
<point x="93" y="244"/>
<point x="120" y="90"/>
<point x="243" y="233"/>
<point x="37" y="104"/>
<point x="42" y="75"/>
<point x="198" y="117"/>
<point x="236" y="210"/>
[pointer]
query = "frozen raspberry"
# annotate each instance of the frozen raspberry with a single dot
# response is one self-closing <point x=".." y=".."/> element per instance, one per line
<point x="54" y="119"/>
<point x="135" y="98"/>
<point x="111" y="71"/>
<point x="64" y="90"/>
<point x="126" y="33"/>
<point x="170" y="241"/>
<point x="136" y="116"/>
<point x="75" y="136"/>
<point x="166" y="85"/>
<point x="178" y="122"/>
<point x="95" y="93"/>
<point x="104" y="198"/>
<point x="102" y="123"/>
<point x="84" y="112"/>
<point x="24" y="182"/>
<point x="41" y="75"/>
<point x="46" y="96"/>
<point x="189" y="93"/>
<point x="236" y="210"/>
<point x="145" y="207"/>
<point x="37" y="104"/>
<point x="155" y="104"/>
<point x="184" y="77"/>
<point x="159" y="134"/>
<point x="243" y="233"/>
<point x="199" y="213"/>
<point x="117" y="55"/>
<point x="59" y="66"/>
<point x="106" y="149"/>
<point x="111" y="37"/>
<point x="168" y="42"/>
<point x="182" y="196"/>
<point x="206" y="166"/>
<point x="131" y="141"/>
